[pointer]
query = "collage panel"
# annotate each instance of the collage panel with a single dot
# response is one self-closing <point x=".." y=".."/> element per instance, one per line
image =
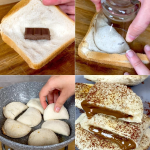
<point x="25" y="124"/>
<point x="37" y="38"/>
<point x="112" y="112"/>
<point x="112" y="39"/>
<point x="74" y="75"/>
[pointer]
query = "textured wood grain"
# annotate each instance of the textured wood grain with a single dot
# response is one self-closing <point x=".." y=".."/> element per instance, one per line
<point x="85" y="10"/>
<point x="12" y="64"/>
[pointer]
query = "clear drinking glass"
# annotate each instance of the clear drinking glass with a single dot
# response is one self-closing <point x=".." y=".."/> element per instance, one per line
<point x="120" y="14"/>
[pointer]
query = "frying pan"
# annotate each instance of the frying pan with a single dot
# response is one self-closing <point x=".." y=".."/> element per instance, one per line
<point x="23" y="92"/>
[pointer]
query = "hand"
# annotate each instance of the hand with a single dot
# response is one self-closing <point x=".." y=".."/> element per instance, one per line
<point x="97" y="4"/>
<point x="141" y="21"/>
<point x="57" y="90"/>
<point x="67" y="6"/>
<point x="137" y="64"/>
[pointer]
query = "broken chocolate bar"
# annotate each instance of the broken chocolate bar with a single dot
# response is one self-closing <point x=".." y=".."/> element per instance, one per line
<point x="37" y="34"/>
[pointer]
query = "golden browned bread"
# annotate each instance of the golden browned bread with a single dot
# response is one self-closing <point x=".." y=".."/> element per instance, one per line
<point x="132" y="131"/>
<point x="116" y="97"/>
<point x="87" y="141"/>
<point x="81" y="91"/>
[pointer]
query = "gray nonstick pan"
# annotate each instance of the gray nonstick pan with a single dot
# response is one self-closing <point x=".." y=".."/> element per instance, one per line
<point x="23" y="92"/>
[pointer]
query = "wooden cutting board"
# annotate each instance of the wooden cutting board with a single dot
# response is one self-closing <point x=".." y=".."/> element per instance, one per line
<point x="3" y="2"/>
<point x="12" y="64"/>
<point x="85" y="10"/>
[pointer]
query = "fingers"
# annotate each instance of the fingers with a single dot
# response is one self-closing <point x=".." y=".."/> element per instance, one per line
<point x="126" y="73"/>
<point x="55" y="2"/>
<point x="67" y="9"/>
<point x="140" y="23"/>
<point x="61" y="100"/>
<point x="137" y="64"/>
<point x="56" y="95"/>
<point x="66" y="6"/>
<point x="72" y="17"/>
<point x="97" y="4"/>
<point x="50" y="97"/>
<point x="46" y="92"/>
<point x="147" y="51"/>
<point x="43" y="101"/>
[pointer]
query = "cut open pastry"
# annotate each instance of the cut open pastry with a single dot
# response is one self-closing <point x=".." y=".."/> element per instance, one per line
<point x="115" y="100"/>
<point x="33" y="14"/>
<point x="85" y="140"/>
<point x="90" y="51"/>
<point x="126" y="135"/>
<point x="81" y="91"/>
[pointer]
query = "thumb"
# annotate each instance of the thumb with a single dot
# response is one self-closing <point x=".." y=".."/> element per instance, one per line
<point x="54" y="2"/>
<point x="60" y="101"/>
<point x="140" y="23"/>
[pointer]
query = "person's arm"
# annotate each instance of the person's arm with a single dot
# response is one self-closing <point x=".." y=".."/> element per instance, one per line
<point x="67" y="6"/>
<point x="57" y="90"/>
<point x="137" y="64"/>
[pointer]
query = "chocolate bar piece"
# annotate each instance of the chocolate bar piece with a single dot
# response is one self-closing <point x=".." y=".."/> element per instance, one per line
<point x="37" y="34"/>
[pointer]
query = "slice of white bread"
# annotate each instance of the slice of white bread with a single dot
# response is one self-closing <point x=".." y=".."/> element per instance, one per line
<point x="3" y="2"/>
<point x="32" y="13"/>
<point x="116" y="97"/>
<point x="133" y="131"/>
<point x="121" y="79"/>
<point x="85" y="51"/>
<point x="81" y="91"/>
<point x="87" y="141"/>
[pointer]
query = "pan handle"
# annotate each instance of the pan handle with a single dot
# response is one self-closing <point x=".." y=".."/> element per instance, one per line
<point x="3" y="146"/>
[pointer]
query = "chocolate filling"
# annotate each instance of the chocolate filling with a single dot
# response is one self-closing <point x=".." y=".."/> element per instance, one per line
<point x="91" y="110"/>
<point x="124" y="143"/>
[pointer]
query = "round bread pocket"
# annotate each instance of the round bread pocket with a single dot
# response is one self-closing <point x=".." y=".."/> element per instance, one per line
<point x="109" y="40"/>
<point x="50" y="114"/>
<point x="57" y="126"/>
<point x="42" y="137"/>
<point x="15" y="129"/>
<point x="35" y="103"/>
<point x="31" y="117"/>
<point x="13" y="109"/>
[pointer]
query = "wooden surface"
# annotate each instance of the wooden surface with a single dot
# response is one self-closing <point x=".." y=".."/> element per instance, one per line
<point x="12" y="64"/>
<point x="85" y="10"/>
